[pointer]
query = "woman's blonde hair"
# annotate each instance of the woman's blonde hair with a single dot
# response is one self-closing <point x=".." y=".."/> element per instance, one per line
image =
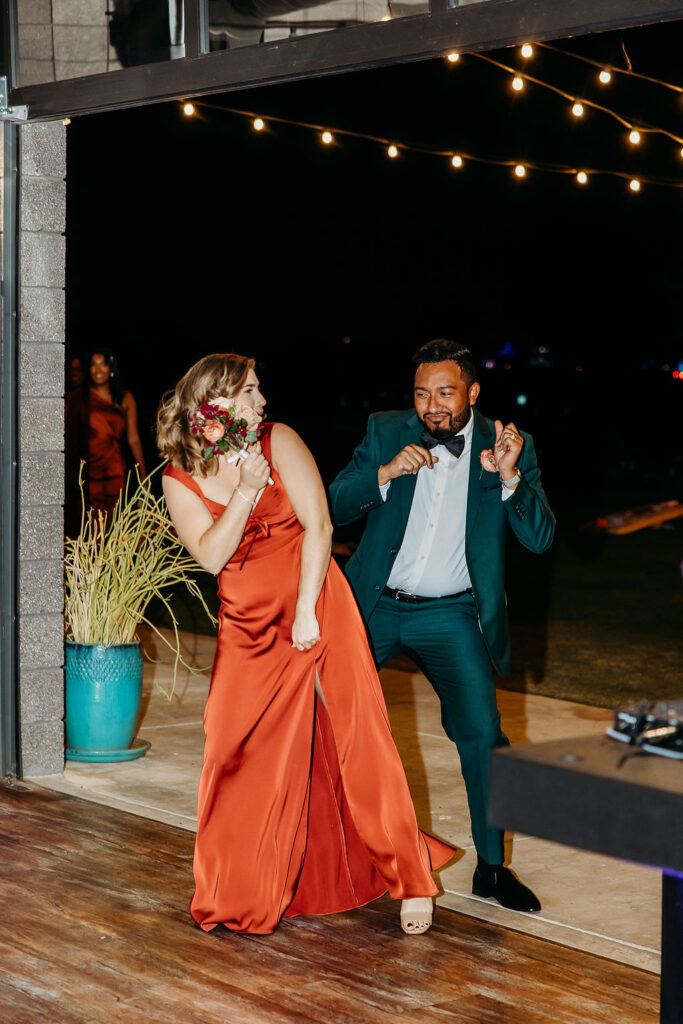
<point x="220" y="375"/>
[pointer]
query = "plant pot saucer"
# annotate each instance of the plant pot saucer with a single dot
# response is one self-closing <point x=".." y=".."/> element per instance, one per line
<point x="138" y="748"/>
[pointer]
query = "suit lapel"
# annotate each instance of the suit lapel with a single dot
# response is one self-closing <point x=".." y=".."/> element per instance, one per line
<point x="409" y="434"/>
<point x="483" y="436"/>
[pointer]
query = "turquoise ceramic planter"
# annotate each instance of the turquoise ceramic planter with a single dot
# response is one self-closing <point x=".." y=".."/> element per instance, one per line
<point x="103" y="693"/>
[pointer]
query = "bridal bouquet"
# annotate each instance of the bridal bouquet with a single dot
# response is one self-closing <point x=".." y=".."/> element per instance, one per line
<point x="225" y="427"/>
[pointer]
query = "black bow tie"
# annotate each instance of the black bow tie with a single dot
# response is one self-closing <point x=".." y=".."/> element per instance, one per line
<point x="454" y="444"/>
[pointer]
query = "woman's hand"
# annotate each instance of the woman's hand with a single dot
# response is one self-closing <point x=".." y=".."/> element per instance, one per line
<point x="305" y="631"/>
<point x="255" y="469"/>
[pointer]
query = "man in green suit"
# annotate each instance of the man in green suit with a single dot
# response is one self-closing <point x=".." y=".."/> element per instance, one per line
<point x="439" y="486"/>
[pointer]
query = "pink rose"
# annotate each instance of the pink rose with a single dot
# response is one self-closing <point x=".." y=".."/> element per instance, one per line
<point x="248" y="413"/>
<point x="213" y="431"/>
<point x="488" y="461"/>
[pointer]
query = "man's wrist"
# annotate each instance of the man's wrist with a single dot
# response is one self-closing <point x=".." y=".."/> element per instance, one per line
<point x="383" y="477"/>
<point x="509" y="478"/>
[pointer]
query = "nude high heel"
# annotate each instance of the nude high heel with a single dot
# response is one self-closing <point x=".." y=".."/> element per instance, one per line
<point x="416" y="915"/>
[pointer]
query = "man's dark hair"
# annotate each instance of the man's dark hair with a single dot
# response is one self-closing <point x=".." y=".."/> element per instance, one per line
<point x="441" y="349"/>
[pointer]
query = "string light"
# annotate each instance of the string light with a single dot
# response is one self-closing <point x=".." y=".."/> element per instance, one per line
<point x="517" y="83"/>
<point x="634" y="137"/>
<point x="258" y="124"/>
<point x="453" y="57"/>
<point x="618" y="71"/>
<point x="392" y="151"/>
<point x="681" y="151"/>
<point x="527" y="51"/>
<point x="458" y="160"/>
<point x="651" y="129"/>
<point x="577" y="110"/>
<point x="605" y="77"/>
<point x="189" y="109"/>
<point x="66" y="122"/>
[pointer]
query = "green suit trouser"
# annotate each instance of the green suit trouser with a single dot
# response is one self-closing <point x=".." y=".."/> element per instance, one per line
<point x="444" y="639"/>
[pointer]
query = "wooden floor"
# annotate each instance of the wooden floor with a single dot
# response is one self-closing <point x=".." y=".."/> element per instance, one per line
<point x="94" y="929"/>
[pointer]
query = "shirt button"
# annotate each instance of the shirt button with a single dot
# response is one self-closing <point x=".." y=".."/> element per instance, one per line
<point x="438" y="494"/>
<point x="431" y="526"/>
<point x="422" y="558"/>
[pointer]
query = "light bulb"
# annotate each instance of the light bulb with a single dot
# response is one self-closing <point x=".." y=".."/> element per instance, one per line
<point x="605" y="77"/>
<point x="517" y="83"/>
<point x="258" y="124"/>
<point x="392" y="151"/>
<point x="681" y="146"/>
<point x="577" y="110"/>
<point x="520" y="171"/>
<point x="634" y="185"/>
<point x="66" y="121"/>
<point x="582" y="178"/>
<point x="527" y="50"/>
<point x="327" y="138"/>
<point x="453" y="57"/>
<point x="188" y="109"/>
<point x="634" y="137"/>
<point x="456" y="161"/>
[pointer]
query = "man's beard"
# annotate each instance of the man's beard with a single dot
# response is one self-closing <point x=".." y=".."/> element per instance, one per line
<point x="456" y="425"/>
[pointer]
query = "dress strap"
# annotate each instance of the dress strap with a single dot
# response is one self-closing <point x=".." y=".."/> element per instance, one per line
<point x="184" y="477"/>
<point x="265" y="430"/>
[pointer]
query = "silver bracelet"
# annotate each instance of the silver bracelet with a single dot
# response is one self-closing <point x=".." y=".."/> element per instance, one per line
<point x="244" y="497"/>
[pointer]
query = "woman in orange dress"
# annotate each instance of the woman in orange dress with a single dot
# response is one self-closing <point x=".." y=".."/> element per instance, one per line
<point x="102" y="424"/>
<point x="303" y="806"/>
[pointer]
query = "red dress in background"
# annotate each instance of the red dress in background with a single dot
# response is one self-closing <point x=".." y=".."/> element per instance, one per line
<point x="300" y="810"/>
<point x="106" y="465"/>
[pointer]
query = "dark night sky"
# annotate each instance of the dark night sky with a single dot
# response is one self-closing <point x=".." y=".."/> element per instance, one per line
<point x="192" y="236"/>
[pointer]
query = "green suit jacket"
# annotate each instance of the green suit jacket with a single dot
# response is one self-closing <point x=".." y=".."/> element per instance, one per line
<point x="355" y="493"/>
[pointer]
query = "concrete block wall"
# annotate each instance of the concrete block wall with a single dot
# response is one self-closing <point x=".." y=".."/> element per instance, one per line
<point x="63" y="39"/>
<point x="42" y="208"/>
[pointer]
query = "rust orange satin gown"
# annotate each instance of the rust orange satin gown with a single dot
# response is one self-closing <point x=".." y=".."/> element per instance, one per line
<point x="106" y="463"/>
<point x="300" y="810"/>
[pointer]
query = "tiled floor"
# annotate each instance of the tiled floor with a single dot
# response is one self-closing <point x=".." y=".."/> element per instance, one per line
<point x="589" y="902"/>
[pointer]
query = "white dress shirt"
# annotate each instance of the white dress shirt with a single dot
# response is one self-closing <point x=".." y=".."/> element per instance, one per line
<point x="431" y="560"/>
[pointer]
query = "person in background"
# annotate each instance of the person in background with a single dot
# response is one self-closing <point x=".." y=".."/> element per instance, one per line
<point x="440" y="485"/>
<point x="102" y="429"/>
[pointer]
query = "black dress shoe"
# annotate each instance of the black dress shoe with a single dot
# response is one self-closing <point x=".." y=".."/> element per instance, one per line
<point x="502" y="885"/>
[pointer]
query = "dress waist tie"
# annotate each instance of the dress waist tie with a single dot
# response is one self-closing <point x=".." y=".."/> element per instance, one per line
<point x="256" y="527"/>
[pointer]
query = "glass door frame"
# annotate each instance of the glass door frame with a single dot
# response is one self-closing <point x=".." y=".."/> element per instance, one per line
<point x="489" y="24"/>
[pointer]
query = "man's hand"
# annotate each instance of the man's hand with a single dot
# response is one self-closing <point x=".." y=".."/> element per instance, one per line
<point x="507" y="449"/>
<point x="409" y="460"/>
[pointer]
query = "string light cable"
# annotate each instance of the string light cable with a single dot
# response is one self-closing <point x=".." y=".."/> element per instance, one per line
<point x="611" y="69"/>
<point x="518" y="75"/>
<point x="457" y="158"/>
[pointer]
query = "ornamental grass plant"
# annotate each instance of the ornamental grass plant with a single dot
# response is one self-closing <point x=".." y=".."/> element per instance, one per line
<point x="117" y="564"/>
